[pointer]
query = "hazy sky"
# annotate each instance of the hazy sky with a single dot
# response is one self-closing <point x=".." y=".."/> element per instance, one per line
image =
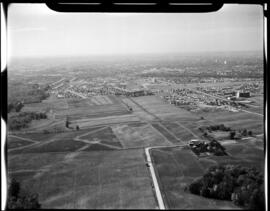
<point x="35" y="30"/>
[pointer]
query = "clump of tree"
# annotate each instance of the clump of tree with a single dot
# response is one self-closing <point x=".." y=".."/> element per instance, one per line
<point x="244" y="186"/>
<point x="27" y="93"/>
<point x="21" y="199"/>
<point x="220" y="127"/>
<point x="67" y="123"/>
<point x="22" y="119"/>
<point x="232" y="135"/>
<point x="213" y="147"/>
<point x="37" y="95"/>
<point x="16" y="106"/>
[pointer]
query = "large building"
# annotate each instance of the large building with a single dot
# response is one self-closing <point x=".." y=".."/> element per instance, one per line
<point x="242" y="94"/>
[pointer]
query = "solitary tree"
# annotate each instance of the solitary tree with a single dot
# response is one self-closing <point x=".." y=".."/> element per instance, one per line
<point x="67" y="123"/>
<point x="244" y="133"/>
<point x="232" y="134"/>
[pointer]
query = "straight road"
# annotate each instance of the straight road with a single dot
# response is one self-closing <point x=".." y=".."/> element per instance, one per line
<point x="154" y="178"/>
<point x="153" y="174"/>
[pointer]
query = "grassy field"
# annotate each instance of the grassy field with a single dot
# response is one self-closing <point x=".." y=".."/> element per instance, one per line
<point x="76" y="109"/>
<point x="14" y="142"/>
<point x="53" y="146"/>
<point x="104" y="136"/>
<point x="119" y="136"/>
<point x="94" y="167"/>
<point x="165" y="133"/>
<point x="142" y="135"/>
<point x="66" y="141"/>
<point x="179" y="166"/>
<point x="156" y="106"/>
<point x="183" y="134"/>
<point x="176" y="168"/>
<point x="220" y="135"/>
<point x="239" y="120"/>
<point x="93" y="107"/>
<point x="91" y="122"/>
<point x="41" y="137"/>
<point x="97" y="147"/>
<point x="83" y="180"/>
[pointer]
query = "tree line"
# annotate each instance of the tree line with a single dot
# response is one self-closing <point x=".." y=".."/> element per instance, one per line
<point x="233" y="134"/>
<point x="242" y="185"/>
<point x="22" y="119"/>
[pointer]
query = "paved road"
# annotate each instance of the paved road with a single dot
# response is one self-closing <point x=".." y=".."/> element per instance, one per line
<point x="154" y="178"/>
<point x="153" y="174"/>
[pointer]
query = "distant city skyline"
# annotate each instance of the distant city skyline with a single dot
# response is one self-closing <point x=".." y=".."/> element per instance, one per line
<point x="36" y="31"/>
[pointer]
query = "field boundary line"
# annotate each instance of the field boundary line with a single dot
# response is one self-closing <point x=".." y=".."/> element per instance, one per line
<point x="87" y="133"/>
<point x="171" y="133"/>
<point x="110" y="146"/>
<point x="23" y="147"/>
<point x="187" y="129"/>
<point x="166" y="139"/>
<point x="25" y="139"/>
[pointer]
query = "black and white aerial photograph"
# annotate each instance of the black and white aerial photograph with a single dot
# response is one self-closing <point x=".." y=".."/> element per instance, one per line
<point x="135" y="110"/>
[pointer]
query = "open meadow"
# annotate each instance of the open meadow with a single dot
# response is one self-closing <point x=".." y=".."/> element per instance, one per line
<point x="236" y="120"/>
<point x="92" y="107"/>
<point x="161" y="110"/>
<point x="86" y="180"/>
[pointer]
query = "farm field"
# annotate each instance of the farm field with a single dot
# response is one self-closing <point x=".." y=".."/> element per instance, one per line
<point x="114" y="137"/>
<point x="102" y="165"/>
<point x="176" y="168"/>
<point x="139" y="135"/>
<point x="184" y="134"/>
<point x="41" y="136"/>
<point x="37" y="107"/>
<point x="65" y="142"/>
<point x="179" y="166"/>
<point x="93" y="107"/>
<point x="166" y="133"/>
<point x="257" y="100"/>
<point x="104" y="135"/>
<point x="159" y="109"/>
<point x="83" y="180"/>
<point x="109" y="120"/>
<point x="51" y="146"/>
<point x="239" y="120"/>
<point x="15" y="142"/>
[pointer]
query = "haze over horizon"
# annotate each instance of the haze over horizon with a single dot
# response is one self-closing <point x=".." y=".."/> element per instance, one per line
<point x="36" y="31"/>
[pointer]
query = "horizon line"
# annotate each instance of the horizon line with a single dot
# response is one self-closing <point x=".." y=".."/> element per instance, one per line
<point x="133" y="54"/>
